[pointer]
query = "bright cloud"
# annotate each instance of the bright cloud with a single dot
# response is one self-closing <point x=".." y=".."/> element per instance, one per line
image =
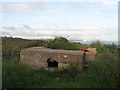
<point x="76" y="20"/>
<point x="23" y="7"/>
<point x="93" y="33"/>
<point x="110" y="2"/>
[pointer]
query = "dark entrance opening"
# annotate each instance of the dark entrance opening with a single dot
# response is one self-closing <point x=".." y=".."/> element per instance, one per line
<point x="52" y="63"/>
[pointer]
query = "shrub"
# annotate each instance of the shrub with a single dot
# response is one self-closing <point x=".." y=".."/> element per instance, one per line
<point x="61" y="43"/>
<point x="103" y="48"/>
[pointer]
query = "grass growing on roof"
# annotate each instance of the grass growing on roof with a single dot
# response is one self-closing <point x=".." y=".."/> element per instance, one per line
<point x="61" y="43"/>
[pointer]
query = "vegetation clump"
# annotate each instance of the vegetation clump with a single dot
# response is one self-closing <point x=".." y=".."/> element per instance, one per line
<point x="103" y="48"/>
<point x="61" y="43"/>
<point x="11" y="47"/>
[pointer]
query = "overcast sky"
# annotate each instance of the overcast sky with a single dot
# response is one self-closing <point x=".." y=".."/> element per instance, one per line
<point x="89" y="20"/>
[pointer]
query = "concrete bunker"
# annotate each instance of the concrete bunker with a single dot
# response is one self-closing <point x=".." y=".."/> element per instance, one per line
<point x="38" y="57"/>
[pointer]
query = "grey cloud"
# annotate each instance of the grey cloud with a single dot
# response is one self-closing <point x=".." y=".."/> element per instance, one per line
<point x="27" y="27"/>
<point x="6" y="33"/>
<point x="70" y="29"/>
<point x="38" y="34"/>
<point x="43" y="34"/>
<point x="62" y="29"/>
<point x="8" y="28"/>
<point x="12" y="28"/>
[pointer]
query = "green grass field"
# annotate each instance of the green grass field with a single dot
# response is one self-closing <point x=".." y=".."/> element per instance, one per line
<point x="101" y="73"/>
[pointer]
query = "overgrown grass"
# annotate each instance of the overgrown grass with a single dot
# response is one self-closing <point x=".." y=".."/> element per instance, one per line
<point x="11" y="47"/>
<point x="16" y="75"/>
<point x="102" y="73"/>
<point x="103" y="48"/>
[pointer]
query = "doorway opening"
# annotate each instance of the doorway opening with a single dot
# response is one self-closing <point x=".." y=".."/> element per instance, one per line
<point x="52" y="63"/>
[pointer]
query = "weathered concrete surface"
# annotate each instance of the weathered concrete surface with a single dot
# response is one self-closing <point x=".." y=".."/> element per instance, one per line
<point x="92" y="50"/>
<point x="90" y="56"/>
<point x="37" y="57"/>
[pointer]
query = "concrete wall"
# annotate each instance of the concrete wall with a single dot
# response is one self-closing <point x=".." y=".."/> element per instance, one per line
<point x="90" y="56"/>
<point x="38" y="58"/>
